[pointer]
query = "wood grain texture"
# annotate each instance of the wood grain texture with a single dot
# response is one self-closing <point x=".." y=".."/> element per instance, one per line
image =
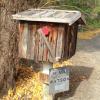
<point x="60" y="43"/>
<point x="32" y="37"/>
<point x="49" y="15"/>
<point x="23" y="42"/>
<point x="29" y="42"/>
<point x="21" y="29"/>
<point x="66" y="33"/>
<point x="47" y="45"/>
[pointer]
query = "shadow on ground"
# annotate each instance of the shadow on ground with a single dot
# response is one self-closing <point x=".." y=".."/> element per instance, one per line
<point x="77" y="75"/>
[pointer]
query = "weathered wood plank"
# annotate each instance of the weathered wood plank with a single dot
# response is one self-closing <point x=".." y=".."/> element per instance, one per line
<point x="24" y="41"/>
<point x="47" y="44"/>
<point x="49" y="40"/>
<point x="52" y="41"/>
<point x="55" y="31"/>
<point x="44" y="56"/>
<point x="39" y="49"/>
<point x="74" y="41"/>
<point x="36" y="46"/>
<point x="42" y="48"/>
<point x="32" y="33"/>
<point x="59" y="42"/>
<point x="69" y="42"/>
<point x="68" y="17"/>
<point x="48" y="13"/>
<point x="20" y="46"/>
<point x="39" y="13"/>
<point x="47" y="51"/>
<point x="67" y="31"/>
<point x="28" y="43"/>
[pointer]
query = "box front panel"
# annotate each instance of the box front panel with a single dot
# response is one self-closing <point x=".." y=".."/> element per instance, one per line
<point x="33" y="46"/>
<point x="55" y="41"/>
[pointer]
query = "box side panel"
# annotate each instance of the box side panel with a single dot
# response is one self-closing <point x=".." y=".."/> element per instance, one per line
<point x="70" y="40"/>
<point x="73" y="41"/>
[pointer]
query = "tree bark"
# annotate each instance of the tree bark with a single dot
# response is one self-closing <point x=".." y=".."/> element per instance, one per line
<point x="9" y="40"/>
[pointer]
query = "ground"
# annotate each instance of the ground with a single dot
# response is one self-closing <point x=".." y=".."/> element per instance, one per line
<point x="87" y="66"/>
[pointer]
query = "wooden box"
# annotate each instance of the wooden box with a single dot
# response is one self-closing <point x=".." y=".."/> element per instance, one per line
<point x="48" y="34"/>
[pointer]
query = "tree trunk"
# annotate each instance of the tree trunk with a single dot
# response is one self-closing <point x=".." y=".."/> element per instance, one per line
<point x="9" y="40"/>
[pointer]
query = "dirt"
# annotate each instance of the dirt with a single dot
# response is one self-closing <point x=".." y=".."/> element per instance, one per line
<point x="86" y="70"/>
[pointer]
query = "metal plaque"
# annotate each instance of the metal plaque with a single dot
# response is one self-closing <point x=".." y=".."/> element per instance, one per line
<point x="58" y="80"/>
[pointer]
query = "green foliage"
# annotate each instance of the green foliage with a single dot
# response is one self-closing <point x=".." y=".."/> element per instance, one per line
<point x="96" y="10"/>
<point x="90" y="8"/>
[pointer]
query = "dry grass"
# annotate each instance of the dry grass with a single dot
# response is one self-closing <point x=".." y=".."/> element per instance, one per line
<point x="88" y="34"/>
<point x="28" y="85"/>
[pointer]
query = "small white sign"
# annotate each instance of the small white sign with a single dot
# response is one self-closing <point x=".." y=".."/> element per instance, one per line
<point x="58" y="80"/>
